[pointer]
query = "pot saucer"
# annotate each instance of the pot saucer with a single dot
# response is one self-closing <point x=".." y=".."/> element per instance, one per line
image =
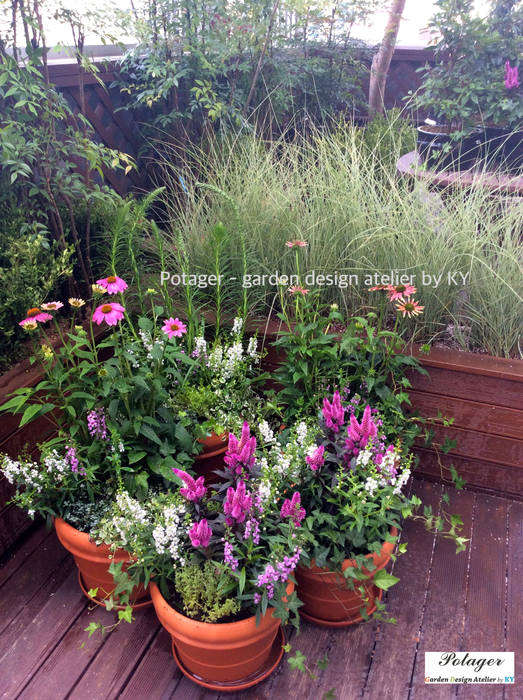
<point x="101" y="603"/>
<point x="339" y="623"/>
<point x="264" y="672"/>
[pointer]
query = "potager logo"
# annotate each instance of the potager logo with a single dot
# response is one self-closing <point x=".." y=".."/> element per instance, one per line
<point x="469" y="667"/>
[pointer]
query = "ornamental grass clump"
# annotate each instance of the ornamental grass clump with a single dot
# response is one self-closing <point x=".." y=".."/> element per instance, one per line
<point x="244" y="535"/>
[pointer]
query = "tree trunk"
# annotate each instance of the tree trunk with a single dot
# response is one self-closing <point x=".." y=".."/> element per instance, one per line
<point x="381" y="61"/>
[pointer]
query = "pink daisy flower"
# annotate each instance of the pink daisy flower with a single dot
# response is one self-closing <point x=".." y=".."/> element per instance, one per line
<point x="110" y="313"/>
<point x="378" y="288"/>
<point x="409" y="308"/>
<point x="113" y="284"/>
<point x="174" y="328"/>
<point x="35" y="315"/>
<point x="400" y="291"/>
<point x="52" y="306"/>
<point x="298" y="290"/>
<point x="296" y="244"/>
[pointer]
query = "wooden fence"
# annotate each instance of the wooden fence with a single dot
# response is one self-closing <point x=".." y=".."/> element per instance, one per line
<point x="117" y="128"/>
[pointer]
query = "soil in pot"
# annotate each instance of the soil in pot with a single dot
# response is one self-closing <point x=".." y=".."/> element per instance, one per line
<point x="93" y="563"/>
<point x="212" y="457"/>
<point x="222" y="656"/>
<point x="328" y="600"/>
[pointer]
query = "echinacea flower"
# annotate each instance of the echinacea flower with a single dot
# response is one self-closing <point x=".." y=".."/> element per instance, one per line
<point x="195" y="489"/>
<point x="174" y="328"/>
<point x="295" y="289"/>
<point x="296" y="244"/>
<point x="400" y="291"/>
<point x="98" y="289"/>
<point x="52" y="306"/>
<point x="378" y="288"/>
<point x="200" y="534"/>
<point x="28" y="324"/>
<point x="409" y="307"/>
<point x="291" y="508"/>
<point x="113" y="284"/>
<point x="76" y="302"/>
<point x="110" y="313"/>
<point x="35" y="315"/>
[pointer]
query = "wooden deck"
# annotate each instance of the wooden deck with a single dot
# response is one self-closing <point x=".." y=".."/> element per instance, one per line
<point x="470" y="602"/>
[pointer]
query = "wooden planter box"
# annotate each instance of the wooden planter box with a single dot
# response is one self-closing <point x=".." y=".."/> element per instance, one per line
<point x="484" y="395"/>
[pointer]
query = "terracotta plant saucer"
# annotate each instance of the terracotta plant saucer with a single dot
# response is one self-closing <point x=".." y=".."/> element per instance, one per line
<point x="340" y="623"/>
<point x="264" y="672"/>
<point x="136" y="606"/>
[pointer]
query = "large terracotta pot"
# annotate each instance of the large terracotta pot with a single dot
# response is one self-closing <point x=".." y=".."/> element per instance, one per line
<point x="224" y="656"/>
<point x="93" y="563"/>
<point x="327" y="599"/>
<point x="212" y="456"/>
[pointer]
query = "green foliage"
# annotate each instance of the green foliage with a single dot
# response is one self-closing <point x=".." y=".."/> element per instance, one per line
<point x="205" y="592"/>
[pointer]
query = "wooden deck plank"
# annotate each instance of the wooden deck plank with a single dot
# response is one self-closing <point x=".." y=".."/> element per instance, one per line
<point x="19" y="557"/>
<point x="157" y="675"/>
<point x="485" y="612"/>
<point x="514" y="630"/>
<point x="30" y="650"/>
<point x="444" y="617"/>
<point x="64" y="667"/>
<point x="396" y="646"/>
<point x="120" y="655"/>
<point x="23" y="584"/>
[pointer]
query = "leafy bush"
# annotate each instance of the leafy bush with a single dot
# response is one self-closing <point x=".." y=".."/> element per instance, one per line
<point x="203" y="591"/>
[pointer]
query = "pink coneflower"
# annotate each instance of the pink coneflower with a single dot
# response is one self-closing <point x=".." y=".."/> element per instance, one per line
<point x="28" y="324"/>
<point x="296" y="244"/>
<point x="113" y="284"/>
<point x="52" y="306"/>
<point x="110" y="313"/>
<point x="37" y="315"/>
<point x="400" y="291"/>
<point x="298" y="290"/>
<point x="409" y="307"/>
<point x="174" y="328"/>
<point x="76" y="302"/>
<point x="378" y="288"/>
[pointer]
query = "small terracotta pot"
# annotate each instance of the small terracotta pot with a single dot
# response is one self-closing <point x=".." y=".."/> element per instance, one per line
<point x="212" y="457"/>
<point x="326" y="597"/>
<point x="219" y="653"/>
<point x="93" y="563"/>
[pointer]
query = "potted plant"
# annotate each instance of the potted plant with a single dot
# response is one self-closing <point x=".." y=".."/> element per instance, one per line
<point x="220" y="561"/>
<point x="449" y="91"/>
<point x="214" y="394"/>
<point x="113" y="429"/>
<point x="351" y="481"/>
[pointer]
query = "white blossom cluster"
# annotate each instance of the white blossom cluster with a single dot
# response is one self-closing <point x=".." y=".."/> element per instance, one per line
<point x="401" y="481"/>
<point x="226" y="364"/>
<point x="252" y="348"/>
<point x="133" y="357"/>
<point x="266" y="432"/>
<point x="169" y="535"/>
<point x="119" y="526"/>
<point x="371" y="484"/>
<point x="26" y="473"/>
<point x="302" y="433"/>
<point x="149" y="344"/>
<point x="200" y="346"/>
<point x="237" y="326"/>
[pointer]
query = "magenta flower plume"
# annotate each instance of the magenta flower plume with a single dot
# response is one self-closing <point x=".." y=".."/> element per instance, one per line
<point x="238" y="504"/>
<point x="174" y="328"/>
<point x="291" y="508"/>
<point x="241" y="453"/>
<point x="194" y="489"/>
<point x="317" y="459"/>
<point x="200" y="534"/>
<point x="110" y="313"/>
<point x="333" y="413"/>
<point x="113" y="284"/>
<point x="511" y="76"/>
<point x="359" y="434"/>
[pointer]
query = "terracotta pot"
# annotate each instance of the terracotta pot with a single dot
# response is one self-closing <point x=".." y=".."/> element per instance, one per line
<point x="216" y="654"/>
<point x="326" y="597"/>
<point x="93" y="563"/>
<point x="212" y="457"/>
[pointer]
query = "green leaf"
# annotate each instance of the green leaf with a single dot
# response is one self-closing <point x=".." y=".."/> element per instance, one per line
<point x="149" y="433"/>
<point x="297" y="662"/>
<point x="126" y="614"/>
<point x="33" y="411"/>
<point x="384" y="580"/>
<point x="241" y="582"/>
